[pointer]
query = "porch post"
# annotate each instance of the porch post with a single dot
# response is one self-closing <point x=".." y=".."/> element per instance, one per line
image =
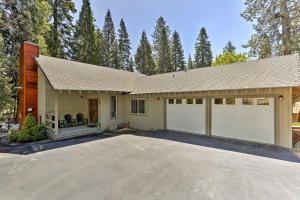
<point x="208" y="114"/>
<point x="56" y="113"/>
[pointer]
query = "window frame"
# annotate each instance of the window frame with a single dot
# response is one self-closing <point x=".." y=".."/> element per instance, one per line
<point x="228" y="99"/>
<point x="178" y="101"/>
<point x="173" y="101"/>
<point x="190" y="103"/>
<point x="137" y="106"/>
<point x="221" y="103"/>
<point x="200" y="99"/>
<point x="244" y="100"/>
<point x="264" y="104"/>
<point x="116" y="107"/>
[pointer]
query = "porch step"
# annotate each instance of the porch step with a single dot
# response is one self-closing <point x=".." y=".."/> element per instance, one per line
<point x="76" y="134"/>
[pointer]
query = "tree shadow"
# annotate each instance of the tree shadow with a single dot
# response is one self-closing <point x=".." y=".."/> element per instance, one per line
<point x="264" y="150"/>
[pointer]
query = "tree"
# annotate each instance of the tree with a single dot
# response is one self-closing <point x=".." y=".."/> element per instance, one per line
<point x="84" y="44"/>
<point x="227" y="58"/>
<point x="160" y="24"/>
<point x="229" y="47"/>
<point x="203" y="53"/>
<point x="276" y="19"/>
<point x="143" y="58"/>
<point x="21" y="21"/>
<point x="109" y="42"/>
<point x="164" y="62"/>
<point x="5" y="89"/>
<point x="124" y="47"/>
<point x="178" y="60"/>
<point x="265" y="50"/>
<point x="190" y="64"/>
<point x="131" y="65"/>
<point x="99" y="48"/>
<point x="61" y="28"/>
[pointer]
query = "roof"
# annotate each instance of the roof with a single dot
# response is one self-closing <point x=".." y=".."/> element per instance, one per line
<point x="282" y="71"/>
<point x="69" y="75"/>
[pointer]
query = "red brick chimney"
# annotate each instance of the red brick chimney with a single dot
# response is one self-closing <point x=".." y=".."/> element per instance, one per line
<point x="28" y="81"/>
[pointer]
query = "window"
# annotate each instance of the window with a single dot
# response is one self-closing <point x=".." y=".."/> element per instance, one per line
<point x="230" y="101"/>
<point x="134" y="106"/>
<point x="142" y="106"/>
<point x="171" y="101"/>
<point x="199" y="101"/>
<point x="262" y="101"/>
<point x="178" y="101"/>
<point x="138" y="106"/>
<point x="113" y="106"/>
<point x="247" y="101"/>
<point x="190" y="101"/>
<point x="218" y="101"/>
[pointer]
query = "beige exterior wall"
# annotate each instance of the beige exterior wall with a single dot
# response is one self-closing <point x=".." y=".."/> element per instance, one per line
<point x="73" y="102"/>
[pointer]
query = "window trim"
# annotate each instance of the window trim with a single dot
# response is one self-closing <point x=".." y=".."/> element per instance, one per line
<point x="266" y="104"/>
<point x="137" y="108"/>
<point x="111" y="97"/>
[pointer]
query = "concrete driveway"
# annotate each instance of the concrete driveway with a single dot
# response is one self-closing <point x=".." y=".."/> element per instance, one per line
<point x="136" y="167"/>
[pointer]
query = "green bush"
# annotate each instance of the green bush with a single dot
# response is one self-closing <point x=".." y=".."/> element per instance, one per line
<point x="30" y="131"/>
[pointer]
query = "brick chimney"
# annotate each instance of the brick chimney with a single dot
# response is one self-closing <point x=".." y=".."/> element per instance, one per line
<point x="28" y="81"/>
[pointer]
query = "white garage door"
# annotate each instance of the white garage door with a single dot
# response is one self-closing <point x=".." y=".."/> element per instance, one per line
<point x="186" y="115"/>
<point x="250" y="119"/>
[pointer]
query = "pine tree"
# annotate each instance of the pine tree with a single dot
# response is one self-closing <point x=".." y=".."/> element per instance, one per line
<point x="21" y="21"/>
<point x="178" y="60"/>
<point x="160" y="24"/>
<point x="143" y="58"/>
<point x="131" y="65"/>
<point x="85" y="37"/>
<point x="203" y="53"/>
<point x="99" y="48"/>
<point x="124" y="47"/>
<point x="164" y="62"/>
<point x="276" y="19"/>
<point x="61" y="28"/>
<point x="110" y="50"/>
<point x="265" y="49"/>
<point x="190" y="64"/>
<point x="229" y="47"/>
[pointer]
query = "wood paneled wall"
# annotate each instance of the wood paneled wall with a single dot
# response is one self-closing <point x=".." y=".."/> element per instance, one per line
<point x="28" y="81"/>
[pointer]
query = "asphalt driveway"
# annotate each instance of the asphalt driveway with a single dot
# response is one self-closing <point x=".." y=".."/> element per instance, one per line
<point x="138" y="167"/>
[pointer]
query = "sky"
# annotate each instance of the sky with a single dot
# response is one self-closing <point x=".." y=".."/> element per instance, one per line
<point x="221" y="18"/>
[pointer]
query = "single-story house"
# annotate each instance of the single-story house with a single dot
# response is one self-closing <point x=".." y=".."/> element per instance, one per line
<point x="248" y="101"/>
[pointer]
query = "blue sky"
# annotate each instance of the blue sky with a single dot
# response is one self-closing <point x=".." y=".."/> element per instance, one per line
<point x="221" y="19"/>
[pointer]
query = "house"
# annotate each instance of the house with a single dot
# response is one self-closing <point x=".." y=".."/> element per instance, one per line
<point x="248" y="101"/>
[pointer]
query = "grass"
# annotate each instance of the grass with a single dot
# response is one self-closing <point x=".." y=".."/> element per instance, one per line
<point x="296" y="124"/>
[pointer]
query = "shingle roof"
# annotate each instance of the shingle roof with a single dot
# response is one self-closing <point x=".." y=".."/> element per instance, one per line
<point x="70" y="75"/>
<point x="274" y="72"/>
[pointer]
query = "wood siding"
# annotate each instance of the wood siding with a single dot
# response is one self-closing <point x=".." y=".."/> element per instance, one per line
<point x="28" y="77"/>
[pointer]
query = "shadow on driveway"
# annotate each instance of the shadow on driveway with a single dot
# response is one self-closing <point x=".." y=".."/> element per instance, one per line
<point x="251" y="148"/>
<point x="24" y="149"/>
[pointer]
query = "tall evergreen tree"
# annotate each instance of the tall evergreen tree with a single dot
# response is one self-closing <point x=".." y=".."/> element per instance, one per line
<point x="276" y="19"/>
<point x="131" y="65"/>
<point x="110" y="50"/>
<point x="124" y="47"/>
<point x="61" y="28"/>
<point x="203" y="53"/>
<point x="99" y="48"/>
<point x="84" y="44"/>
<point x="21" y="21"/>
<point x="164" y="62"/>
<point x="143" y="58"/>
<point x="178" y="60"/>
<point x="160" y="24"/>
<point x="190" y="64"/>
<point x="229" y="47"/>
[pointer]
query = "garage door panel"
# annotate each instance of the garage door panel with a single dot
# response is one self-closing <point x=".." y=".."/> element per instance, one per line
<point x="246" y="122"/>
<point x="186" y="117"/>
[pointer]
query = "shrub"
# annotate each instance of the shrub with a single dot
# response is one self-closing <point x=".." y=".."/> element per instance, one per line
<point x="30" y="131"/>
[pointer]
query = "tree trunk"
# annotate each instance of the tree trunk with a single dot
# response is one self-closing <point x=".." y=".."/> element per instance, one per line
<point x="286" y="29"/>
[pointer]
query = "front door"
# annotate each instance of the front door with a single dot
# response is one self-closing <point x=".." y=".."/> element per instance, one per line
<point x="93" y="110"/>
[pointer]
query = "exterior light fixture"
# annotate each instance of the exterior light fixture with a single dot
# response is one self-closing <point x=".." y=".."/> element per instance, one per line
<point x="280" y="97"/>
